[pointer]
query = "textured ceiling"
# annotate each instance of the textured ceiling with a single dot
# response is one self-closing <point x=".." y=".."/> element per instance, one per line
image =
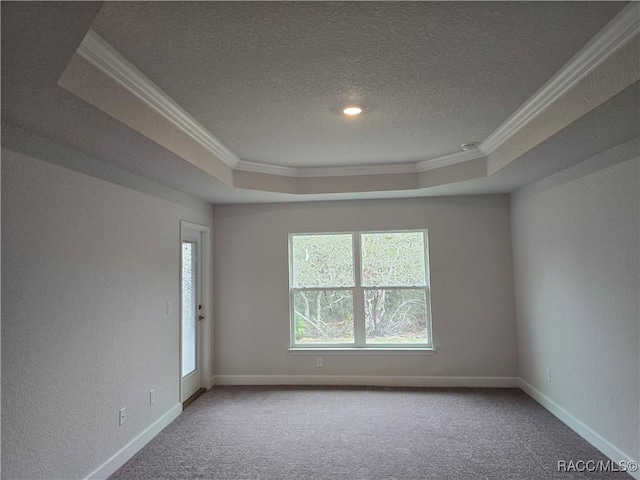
<point x="39" y="39"/>
<point x="268" y="78"/>
<point x="613" y="123"/>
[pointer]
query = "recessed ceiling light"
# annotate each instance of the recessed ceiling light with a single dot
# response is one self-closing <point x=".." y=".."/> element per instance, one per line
<point x="352" y="110"/>
<point x="469" y="146"/>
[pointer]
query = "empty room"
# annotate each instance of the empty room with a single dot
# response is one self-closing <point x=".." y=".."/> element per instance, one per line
<point x="320" y="240"/>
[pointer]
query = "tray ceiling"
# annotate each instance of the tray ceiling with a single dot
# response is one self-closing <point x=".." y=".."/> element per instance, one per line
<point x="268" y="78"/>
<point x="262" y="85"/>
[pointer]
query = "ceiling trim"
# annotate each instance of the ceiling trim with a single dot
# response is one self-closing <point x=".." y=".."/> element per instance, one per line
<point x="104" y="57"/>
<point x="309" y="172"/>
<point x="255" y="167"/>
<point x="447" y="160"/>
<point x="622" y="28"/>
<point x="354" y="170"/>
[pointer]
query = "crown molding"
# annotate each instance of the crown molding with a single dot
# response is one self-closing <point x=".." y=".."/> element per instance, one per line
<point x="104" y="57"/>
<point x="255" y="167"/>
<point x="622" y="28"/>
<point x="447" y="160"/>
<point x="356" y="170"/>
<point x="313" y="172"/>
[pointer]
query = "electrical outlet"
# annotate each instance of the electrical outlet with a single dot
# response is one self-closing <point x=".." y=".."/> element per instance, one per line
<point x="152" y="396"/>
<point x="319" y="362"/>
<point x="548" y="375"/>
<point x="123" y="415"/>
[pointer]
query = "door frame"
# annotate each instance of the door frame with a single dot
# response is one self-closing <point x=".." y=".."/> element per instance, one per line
<point x="205" y="287"/>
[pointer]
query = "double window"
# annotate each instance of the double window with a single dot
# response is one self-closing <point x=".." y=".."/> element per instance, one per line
<point x="360" y="290"/>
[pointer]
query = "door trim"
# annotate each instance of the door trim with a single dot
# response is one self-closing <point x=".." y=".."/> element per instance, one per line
<point x="206" y="324"/>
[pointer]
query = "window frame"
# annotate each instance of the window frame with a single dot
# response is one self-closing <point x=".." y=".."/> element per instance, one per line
<point x="358" y="291"/>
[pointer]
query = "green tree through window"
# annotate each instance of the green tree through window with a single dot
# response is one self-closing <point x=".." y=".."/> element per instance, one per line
<point x="360" y="289"/>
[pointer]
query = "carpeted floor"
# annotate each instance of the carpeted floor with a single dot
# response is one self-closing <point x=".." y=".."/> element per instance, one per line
<point x="335" y="433"/>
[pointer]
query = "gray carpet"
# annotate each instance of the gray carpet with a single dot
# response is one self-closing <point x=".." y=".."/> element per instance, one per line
<point x="309" y="433"/>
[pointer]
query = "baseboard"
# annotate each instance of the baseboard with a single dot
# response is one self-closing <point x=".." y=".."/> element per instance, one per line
<point x="129" y="450"/>
<point x="595" y="439"/>
<point x="367" y="380"/>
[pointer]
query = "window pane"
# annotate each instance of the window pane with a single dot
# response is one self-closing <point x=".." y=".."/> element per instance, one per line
<point x="322" y="260"/>
<point x="395" y="316"/>
<point x="323" y="316"/>
<point x="393" y="259"/>
<point x="188" y="308"/>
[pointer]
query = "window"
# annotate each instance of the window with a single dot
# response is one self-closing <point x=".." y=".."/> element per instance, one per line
<point x="360" y="290"/>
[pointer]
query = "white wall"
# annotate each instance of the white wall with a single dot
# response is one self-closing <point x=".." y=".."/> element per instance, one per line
<point x="575" y="246"/>
<point x="471" y="279"/>
<point x="87" y="267"/>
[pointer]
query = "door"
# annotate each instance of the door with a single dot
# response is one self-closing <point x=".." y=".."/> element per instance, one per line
<point x="191" y="314"/>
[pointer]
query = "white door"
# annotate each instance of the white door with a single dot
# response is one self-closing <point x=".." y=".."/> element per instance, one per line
<point x="191" y="313"/>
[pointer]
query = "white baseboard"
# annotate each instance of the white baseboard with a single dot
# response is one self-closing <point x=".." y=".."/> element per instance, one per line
<point x="367" y="380"/>
<point x="129" y="450"/>
<point x="595" y="439"/>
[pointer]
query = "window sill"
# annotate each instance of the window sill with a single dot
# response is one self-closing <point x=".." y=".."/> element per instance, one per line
<point x="360" y="351"/>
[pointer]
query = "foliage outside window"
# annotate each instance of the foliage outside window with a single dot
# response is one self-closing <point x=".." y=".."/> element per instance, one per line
<point x="363" y="289"/>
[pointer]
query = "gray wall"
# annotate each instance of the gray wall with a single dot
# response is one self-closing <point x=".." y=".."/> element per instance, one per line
<point x="575" y="250"/>
<point x="87" y="267"/>
<point x="471" y="280"/>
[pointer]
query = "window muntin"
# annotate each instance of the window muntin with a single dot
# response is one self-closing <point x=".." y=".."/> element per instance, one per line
<point x="368" y="289"/>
